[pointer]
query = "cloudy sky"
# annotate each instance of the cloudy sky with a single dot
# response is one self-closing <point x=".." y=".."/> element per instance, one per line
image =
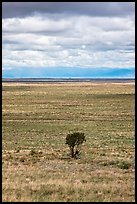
<point x="68" y="39"/>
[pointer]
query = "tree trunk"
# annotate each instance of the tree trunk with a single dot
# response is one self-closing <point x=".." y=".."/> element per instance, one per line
<point x="72" y="152"/>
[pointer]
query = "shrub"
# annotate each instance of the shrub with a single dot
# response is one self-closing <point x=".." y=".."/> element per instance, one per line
<point x="74" y="140"/>
<point x="124" y="165"/>
<point x="32" y="152"/>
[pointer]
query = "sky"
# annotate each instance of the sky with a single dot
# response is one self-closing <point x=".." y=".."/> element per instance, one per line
<point x="68" y="39"/>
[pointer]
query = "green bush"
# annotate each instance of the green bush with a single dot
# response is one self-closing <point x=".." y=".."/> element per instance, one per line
<point x="124" y="165"/>
<point x="74" y="140"/>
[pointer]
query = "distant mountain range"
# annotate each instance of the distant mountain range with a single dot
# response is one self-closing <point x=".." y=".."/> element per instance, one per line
<point x="65" y="72"/>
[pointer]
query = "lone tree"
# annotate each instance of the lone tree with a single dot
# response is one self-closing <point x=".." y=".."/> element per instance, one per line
<point x="74" y="140"/>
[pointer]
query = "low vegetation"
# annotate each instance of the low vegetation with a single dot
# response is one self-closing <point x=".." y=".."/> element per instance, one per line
<point x="36" y="162"/>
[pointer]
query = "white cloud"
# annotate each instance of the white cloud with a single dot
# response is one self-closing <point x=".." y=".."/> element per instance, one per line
<point x="34" y="24"/>
<point x="82" y="41"/>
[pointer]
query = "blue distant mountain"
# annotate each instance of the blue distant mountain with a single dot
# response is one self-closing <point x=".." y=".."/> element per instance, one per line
<point x="65" y="72"/>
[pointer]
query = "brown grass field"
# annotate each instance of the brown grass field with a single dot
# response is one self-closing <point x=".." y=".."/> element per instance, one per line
<point x="36" y="117"/>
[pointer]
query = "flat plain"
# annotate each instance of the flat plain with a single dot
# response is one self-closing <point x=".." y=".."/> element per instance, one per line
<point x="36" y="117"/>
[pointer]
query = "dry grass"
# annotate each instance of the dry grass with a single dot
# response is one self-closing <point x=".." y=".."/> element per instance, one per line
<point x="36" y="165"/>
<point x="49" y="178"/>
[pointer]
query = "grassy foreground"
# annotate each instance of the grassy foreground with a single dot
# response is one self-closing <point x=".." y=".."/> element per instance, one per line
<point x="35" y="121"/>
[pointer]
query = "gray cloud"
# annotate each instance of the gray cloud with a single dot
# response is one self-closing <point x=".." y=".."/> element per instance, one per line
<point x="22" y="9"/>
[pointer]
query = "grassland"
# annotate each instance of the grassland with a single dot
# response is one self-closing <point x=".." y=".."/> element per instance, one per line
<point x="36" y="117"/>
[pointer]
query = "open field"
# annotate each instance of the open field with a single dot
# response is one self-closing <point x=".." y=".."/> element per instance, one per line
<point x="36" y="117"/>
